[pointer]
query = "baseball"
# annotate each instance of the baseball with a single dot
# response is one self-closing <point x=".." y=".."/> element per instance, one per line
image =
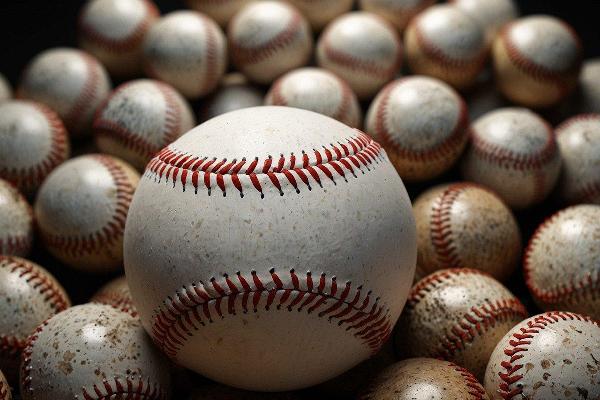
<point x="16" y="221"/>
<point x="81" y="209"/>
<point x="422" y="124"/>
<point x="424" y="378"/>
<point x="71" y="82"/>
<point x="28" y="296"/>
<point x="446" y="43"/>
<point x="462" y="312"/>
<point x="288" y="236"/>
<point x="114" y="30"/>
<point x="187" y="50"/>
<point x="549" y="356"/>
<point x="5" y="393"/>
<point x="492" y="15"/>
<point x="268" y="39"/>
<point x="317" y="90"/>
<point x="320" y="12"/>
<point x="587" y="95"/>
<point x="116" y="294"/>
<point x="456" y="221"/>
<point x="233" y="94"/>
<point x="5" y="91"/>
<point x="220" y="10"/>
<point x="537" y="60"/>
<point x="140" y="118"/>
<point x="363" y="49"/>
<point x="92" y="351"/>
<point x="562" y="259"/>
<point x="513" y="151"/>
<point x="33" y="141"/>
<point x="398" y="13"/>
<point x="579" y="141"/>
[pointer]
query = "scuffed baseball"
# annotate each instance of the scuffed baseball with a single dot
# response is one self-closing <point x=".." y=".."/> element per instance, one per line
<point x="446" y="43"/>
<point x="5" y="393"/>
<point x="187" y="50"/>
<point x="537" y="60"/>
<point x="139" y="119"/>
<point x="270" y="198"/>
<point x="462" y="312"/>
<point x="92" y="351"/>
<point x="5" y="89"/>
<point x="363" y="49"/>
<point x="456" y="221"/>
<point x="69" y="81"/>
<point x="317" y="90"/>
<point x="513" y="151"/>
<point x="268" y="39"/>
<point x="234" y="93"/>
<point x="116" y="293"/>
<point x="81" y="209"/>
<point x="561" y="261"/>
<point x="492" y="15"/>
<point x="549" y="356"/>
<point x="579" y="141"/>
<point x="320" y="12"/>
<point x="422" y="124"/>
<point x="587" y="96"/>
<point x="114" y="31"/>
<point x="33" y="141"/>
<point x="28" y="296"/>
<point x="397" y="12"/>
<point x="424" y="378"/>
<point x="16" y="221"/>
<point x="220" y="10"/>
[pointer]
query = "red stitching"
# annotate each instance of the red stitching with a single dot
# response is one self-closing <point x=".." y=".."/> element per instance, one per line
<point x="476" y="391"/>
<point x="518" y="345"/>
<point x="26" y="367"/>
<point x="119" y="301"/>
<point x="337" y="160"/>
<point x="15" y="245"/>
<point x="573" y="120"/>
<point x="88" y="92"/>
<point x="209" y="80"/>
<point x="442" y="150"/>
<point x="198" y="304"/>
<point x="132" y="387"/>
<point x="112" y="231"/>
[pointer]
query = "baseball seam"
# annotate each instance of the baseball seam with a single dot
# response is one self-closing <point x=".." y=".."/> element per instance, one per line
<point x="476" y="391"/>
<point x="201" y="303"/>
<point x="88" y="93"/>
<point x="518" y="347"/>
<point x="209" y="81"/>
<point x="587" y="193"/>
<point x="337" y="160"/>
<point x="18" y="245"/>
<point x="117" y="300"/>
<point x="133" y="387"/>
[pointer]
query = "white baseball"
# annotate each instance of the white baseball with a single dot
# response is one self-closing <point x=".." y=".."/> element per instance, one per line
<point x="5" y="393"/>
<point x="446" y="43"/>
<point x="320" y="12"/>
<point x="93" y="351"/>
<point x="271" y="234"/>
<point x="116" y="293"/>
<point x="513" y="152"/>
<point x="233" y="94"/>
<point x="5" y="89"/>
<point x="28" y="296"/>
<point x="81" y="210"/>
<point x="579" y="141"/>
<point x="549" y="356"/>
<point x="268" y="39"/>
<point x="16" y="221"/>
<point x="187" y="50"/>
<point x="71" y="82"/>
<point x="317" y="90"/>
<point x="423" y="125"/>
<point x="587" y="96"/>
<point x="363" y="49"/>
<point x="492" y="15"/>
<point x="397" y="12"/>
<point x="220" y="10"/>
<point x="33" y="141"/>
<point x="139" y="119"/>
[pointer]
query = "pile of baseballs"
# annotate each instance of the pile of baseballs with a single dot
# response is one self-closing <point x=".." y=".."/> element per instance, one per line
<point x="189" y="208"/>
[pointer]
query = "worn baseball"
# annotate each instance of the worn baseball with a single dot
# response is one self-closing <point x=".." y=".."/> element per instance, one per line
<point x="5" y="91"/>
<point x="16" y="221"/>
<point x="398" y="13"/>
<point x="363" y="49"/>
<point x="81" y="209"/>
<point x="537" y="60"/>
<point x="268" y="39"/>
<point x="462" y="312"/>
<point x="492" y="15"/>
<point x="187" y="50"/>
<point x="317" y="90"/>
<point x="139" y="119"/>
<point x="93" y="351"/>
<point x="219" y="10"/>
<point x="549" y="356"/>
<point x="69" y="81"/>
<point x="561" y="261"/>
<point x="233" y="94"/>
<point x="33" y="141"/>
<point x="288" y="236"/>
<point x="116" y="293"/>
<point x="455" y="221"/>
<point x="320" y="12"/>
<point x="423" y="125"/>
<point x="5" y="393"/>
<point x="114" y="31"/>
<point x="579" y="141"/>
<point x="28" y="296"/>
<point x="446" y="43"/>
<point x="586" y="98"/>
<point x="424" y="378"/>
<point x="513" y="151"/>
